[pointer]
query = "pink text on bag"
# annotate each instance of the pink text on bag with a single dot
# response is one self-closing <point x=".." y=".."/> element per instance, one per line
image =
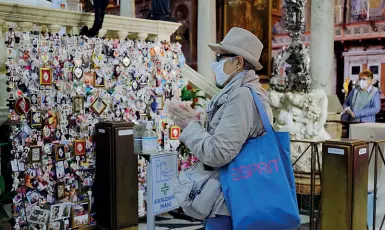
<point x="245" y="172"/>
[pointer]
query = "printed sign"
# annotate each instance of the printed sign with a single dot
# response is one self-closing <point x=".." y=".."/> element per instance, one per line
<point x="126" y="132"/>
<point x="164" y="170"/>
<point x="336" y="151"/>
<point x="362" y="151"/>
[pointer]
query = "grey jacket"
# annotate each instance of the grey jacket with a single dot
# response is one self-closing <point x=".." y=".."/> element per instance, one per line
<point x="236" y="119"/>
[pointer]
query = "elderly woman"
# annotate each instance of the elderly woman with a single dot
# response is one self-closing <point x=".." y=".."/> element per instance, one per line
<point x="232" y="116"/>
<point x="363" y="102"/>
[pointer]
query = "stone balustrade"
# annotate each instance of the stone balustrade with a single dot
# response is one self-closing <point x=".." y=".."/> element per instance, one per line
<point x="53" y="20"/>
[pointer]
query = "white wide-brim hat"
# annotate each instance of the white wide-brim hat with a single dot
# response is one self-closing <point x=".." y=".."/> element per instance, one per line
<point x="243" y="43"/>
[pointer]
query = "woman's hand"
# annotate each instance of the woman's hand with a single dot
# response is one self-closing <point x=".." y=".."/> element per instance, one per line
<point x="351" y="113"/>
<point x="182" y="114"/>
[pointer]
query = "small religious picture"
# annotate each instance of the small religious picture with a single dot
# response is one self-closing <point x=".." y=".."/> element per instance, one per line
<point x="22" y="105"/>
<point x="35" y="154"/>
<point x="60" y="152"/>
<point x="45" y="76"/>
<point x="36" y="119"/>
<point x="99" y="81"/>
<point x="126" y="61"/>
<point x="80" y="214"/>
<point x="78" y="104"/>
<point x="60" y="169"/>
<point x="89" y="78"/>
<point x="78" y="72"/>
<point x="98" y="106"/>
<point x="47" y="134"/>
<point x="11" y="96"/>
<point x="60" y="191"/>
<point x="57" y="135"/>
<point x="80" y="147"/>
<point x="160" y="102"/>
<point x="174" y="132"/>
<point x="34" y="99"/>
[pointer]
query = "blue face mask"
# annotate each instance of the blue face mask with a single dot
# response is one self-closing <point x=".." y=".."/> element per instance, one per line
<point x="220" y="76"/>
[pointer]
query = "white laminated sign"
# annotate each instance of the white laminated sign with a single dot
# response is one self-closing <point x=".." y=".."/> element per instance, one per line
<point x="164" y="168"/>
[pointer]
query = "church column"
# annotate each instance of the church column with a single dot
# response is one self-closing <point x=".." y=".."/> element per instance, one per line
<point x="206" y="34"/>
<point x="322" y="44"/>
<point x="127" y="8"/>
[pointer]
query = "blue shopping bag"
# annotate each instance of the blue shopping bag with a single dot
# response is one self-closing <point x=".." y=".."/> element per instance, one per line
<point x="258" y="185"/>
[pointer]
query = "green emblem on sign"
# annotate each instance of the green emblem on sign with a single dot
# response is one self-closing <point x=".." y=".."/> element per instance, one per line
<point x="164" y="189"/>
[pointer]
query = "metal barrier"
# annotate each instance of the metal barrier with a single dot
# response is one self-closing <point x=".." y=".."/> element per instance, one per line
<point x="376" y="149"/>
<point x="314" y="159"/>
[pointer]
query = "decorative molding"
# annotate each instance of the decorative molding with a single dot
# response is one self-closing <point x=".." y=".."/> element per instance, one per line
<point x="353" y="31"/>
<point x="66" y="18"/>
<point x="363" y="53"/>
<point x="198" y="80"/>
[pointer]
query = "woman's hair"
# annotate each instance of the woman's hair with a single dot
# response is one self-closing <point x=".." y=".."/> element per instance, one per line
<point x="248" y="66"/>
<point x="366" y="73"/>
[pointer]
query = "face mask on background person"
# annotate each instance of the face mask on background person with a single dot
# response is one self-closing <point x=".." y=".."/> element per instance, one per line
<point x="364" y="84"/>
<point x="220" y="76"/>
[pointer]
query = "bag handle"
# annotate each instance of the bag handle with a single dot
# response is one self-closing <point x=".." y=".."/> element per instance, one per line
<point x="261" y="109"/>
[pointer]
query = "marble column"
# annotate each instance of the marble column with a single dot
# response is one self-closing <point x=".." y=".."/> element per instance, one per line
<point x="322" y="44"/>
<point x="206" y="34"/>
<point x="127" y="8"/>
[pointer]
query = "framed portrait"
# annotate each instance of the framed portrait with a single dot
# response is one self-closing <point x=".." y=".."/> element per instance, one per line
<point x="89" y="78"/>
<point x="80" y="147"/>
<point x="99" y="81"/>
<point x="38" y="216"/>
<point x="60" y="190"/>
<point x="60" y="152"/>
<point x="78" y="104"/>
<point x="256" y="17"/>
<point x="54" y="225"/>
<point x="35" y="154"/>
<point x="45" y="76"/>
<point x="80" y="214"/>
<point x="60" y="211"/>
<point x="98" y="106"/>
<point x="36" y="119"/>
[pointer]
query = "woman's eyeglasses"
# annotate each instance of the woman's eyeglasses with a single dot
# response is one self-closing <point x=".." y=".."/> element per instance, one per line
<point x="220" y="57"/>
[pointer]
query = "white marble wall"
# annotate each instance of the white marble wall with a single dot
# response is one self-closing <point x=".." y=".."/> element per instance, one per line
<point x="206" y="34"/>
<point x="127" y="8"/>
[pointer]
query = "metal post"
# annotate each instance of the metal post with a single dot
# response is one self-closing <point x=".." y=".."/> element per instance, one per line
<point x="312" y="187"/>
<point x="150" y="216"/>
<point x="375" y="145"/>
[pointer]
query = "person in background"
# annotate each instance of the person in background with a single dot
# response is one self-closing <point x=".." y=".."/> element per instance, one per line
<point x="279" y="27"/>
<point x="363" y="102"/>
